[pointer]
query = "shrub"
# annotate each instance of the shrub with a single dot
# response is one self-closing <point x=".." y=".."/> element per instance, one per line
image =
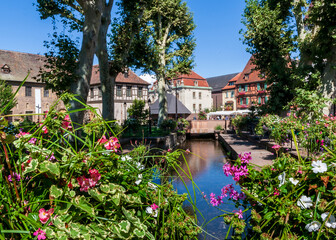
<point x="218" y="127"/>
<point x="168" y="124"/>
<point x="202" y="115"/>
<point x="50" y="187"/>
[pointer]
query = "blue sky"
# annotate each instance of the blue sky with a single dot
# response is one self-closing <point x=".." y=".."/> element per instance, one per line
<point x="219" y="50"/>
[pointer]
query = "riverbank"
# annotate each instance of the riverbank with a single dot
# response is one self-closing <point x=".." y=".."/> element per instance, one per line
<point x="235" y="145"/>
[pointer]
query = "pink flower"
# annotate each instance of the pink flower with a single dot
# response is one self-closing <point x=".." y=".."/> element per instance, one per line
<point x="45" y="215"/>
<point x="102" y="140"/>
<point x="188" y="151"/>
<point x="66" y="123"/>
<point x="112" y="144"/>
<point x="84" y="183"/>
<point x="276" y="192"/>
<point x="32" y="140"/>
<point x="154" y="206"/>
<point x="40" y="234"/>
<point x="276" y="147"/>
<point x="239" y="213"/>
<point x="21" y="134"/>
<point x="169" y="150"/>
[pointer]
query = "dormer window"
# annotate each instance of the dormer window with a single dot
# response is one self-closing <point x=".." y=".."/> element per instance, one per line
<point x="195" y="83"/>
<point x="5" y="69"/>
<point x="246" y="76"/>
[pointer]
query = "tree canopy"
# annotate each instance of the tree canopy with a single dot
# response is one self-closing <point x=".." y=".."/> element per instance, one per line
<point x="168" y="43"/>
<point x="7" y="98"/>
<point x="293" y="43"/>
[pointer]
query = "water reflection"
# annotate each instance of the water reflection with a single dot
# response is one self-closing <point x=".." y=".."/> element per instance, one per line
<point x="206" y="166"/>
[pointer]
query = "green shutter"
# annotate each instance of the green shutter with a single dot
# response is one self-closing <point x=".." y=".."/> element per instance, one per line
<point x="241" y="101"/>
<point x="239" y="88"/>
<point x="246" y="88"/>
<point x="247" y="101"/>
<point x="265" y="86"/>
<point x="266" y="99"/>
<point x="232" y="94"/>
<point x="259" y="100"/>
<point x="258" y="86"/>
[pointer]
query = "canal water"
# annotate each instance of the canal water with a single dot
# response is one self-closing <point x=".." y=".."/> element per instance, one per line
<point x="206" y="162"/>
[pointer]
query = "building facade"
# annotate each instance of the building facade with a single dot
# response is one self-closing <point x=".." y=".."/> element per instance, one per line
<point x="32" y="97"/>
<point x="251" y="87"/>
<point x="128" y="87"/>
<point x="191" y="89"/>
<point x="229" y="94"/>
<point x="217" y="84"/>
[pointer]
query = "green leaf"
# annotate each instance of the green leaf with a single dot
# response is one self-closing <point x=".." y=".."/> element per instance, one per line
<point x="31" y="166"/>
<point x="83" y="204"/>
<point x="55" y="191"/>
<point x="139" y="233"/>
<point x="50" y="167"/>
<point x="97" y="195"/>
<point x="124" y="226"/>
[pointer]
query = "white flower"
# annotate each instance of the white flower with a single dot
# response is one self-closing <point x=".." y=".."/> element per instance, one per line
<point x="331" y="221"/>
<point x="124" y="158"/>
<point x="152" y="186"/>
<point x="140" y="166"/>
<point x="294" y="181"/>
<point x="152" y="212"/>
<point x="304" y="202"/>
<point x="313" y="226"/>
<point x="281" y="178"/>
<point x="137" y="182"/>
<point x="319" y="166"/>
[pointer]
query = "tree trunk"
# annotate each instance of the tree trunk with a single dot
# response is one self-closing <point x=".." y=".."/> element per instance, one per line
<point x="162" y="99"/>
<point x="328" y="85"/>
<point x="85" y="61"/>
<point x="106" y="80"/>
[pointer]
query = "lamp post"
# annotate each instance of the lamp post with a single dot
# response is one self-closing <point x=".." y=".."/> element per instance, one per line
<point x="125" y="105"/>
<point x="149" y="118"/>
<point x="176" y="101"/>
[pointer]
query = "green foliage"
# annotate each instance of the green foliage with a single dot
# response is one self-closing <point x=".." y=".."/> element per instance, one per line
<point x="182" y="125"/>
<point x="7" y="98"/>
<point x="218" y="128"/>
<point x="202" y="115"/>
<point x="278" y="30"/>
<point x="137" y="111"/>
<point x="89" y="190"/>
<point x="168" y="124"/>
<point x="61" y="63"/>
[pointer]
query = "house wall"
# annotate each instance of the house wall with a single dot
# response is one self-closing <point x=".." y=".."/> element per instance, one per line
<point x="33" y="103"/>
<point x="122" y="102"/>
<point x="244" y="99"/>
<point x="229" y="98"/>
<point x="217" y="100"/>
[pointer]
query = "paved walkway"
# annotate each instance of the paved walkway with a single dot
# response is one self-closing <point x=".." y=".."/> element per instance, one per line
<point x="237" y="145"/>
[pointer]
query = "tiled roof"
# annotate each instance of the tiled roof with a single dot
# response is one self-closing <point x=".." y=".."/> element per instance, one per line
<point x="253" y="75"/>
<point x="234" y="79"/>
<point x="217" y="83"/>
<point x="20" y="64"/>
<point x="189" y="80"/>
<point x="132" y="78"/>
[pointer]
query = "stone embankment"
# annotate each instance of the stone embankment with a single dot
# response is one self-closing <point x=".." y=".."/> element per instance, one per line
<point x="236" y="145"/>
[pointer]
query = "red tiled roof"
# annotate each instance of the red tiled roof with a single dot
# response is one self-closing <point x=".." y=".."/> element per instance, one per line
<point x="132" y="77"/>
<point x="20" y="64"/>
<point x="189" y="79"/>
<point x="253" y="75"/>
<point x="234" y="79"/>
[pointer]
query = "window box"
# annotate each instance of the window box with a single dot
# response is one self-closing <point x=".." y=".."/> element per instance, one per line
<point x="243" y="106"/>
<point x="241" y="93"/>
<point x="261" y="91"/>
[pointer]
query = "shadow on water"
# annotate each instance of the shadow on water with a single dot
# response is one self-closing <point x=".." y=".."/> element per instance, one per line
<point x="206" y="162"/>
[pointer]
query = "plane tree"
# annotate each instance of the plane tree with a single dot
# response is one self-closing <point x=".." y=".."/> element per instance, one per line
<point x="167" y="44"/>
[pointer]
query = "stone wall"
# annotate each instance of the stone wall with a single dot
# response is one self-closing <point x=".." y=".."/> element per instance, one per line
<point x="207" y="126"/>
